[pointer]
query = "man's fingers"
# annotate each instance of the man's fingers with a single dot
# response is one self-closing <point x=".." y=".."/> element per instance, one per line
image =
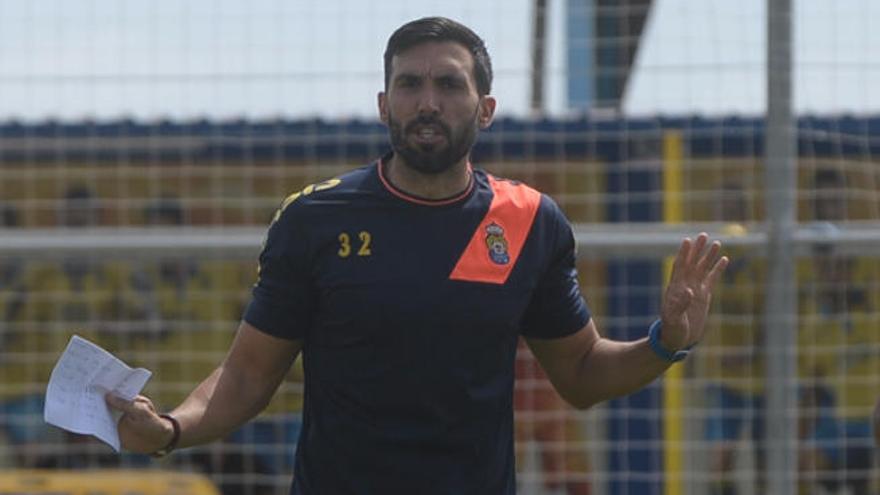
<point x="716" y="271"/>
<point x="138" y="405"/>
<point x="694" y="255"/>
<point x="699" y="245"/>
<point x="681" y="258"/>
<point x="710" y="258"/>
<point x="119" y="403"/>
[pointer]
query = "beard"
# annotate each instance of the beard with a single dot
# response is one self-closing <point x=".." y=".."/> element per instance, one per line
<point x="430" y="159"/>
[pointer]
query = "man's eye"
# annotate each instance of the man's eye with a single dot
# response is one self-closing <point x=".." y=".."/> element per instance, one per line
<point x="407" y="83"/>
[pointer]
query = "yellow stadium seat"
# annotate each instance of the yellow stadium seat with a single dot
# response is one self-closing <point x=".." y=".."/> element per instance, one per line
<point x="105" y="482"/>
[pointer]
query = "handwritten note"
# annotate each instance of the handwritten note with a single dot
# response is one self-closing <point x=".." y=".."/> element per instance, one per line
<point x="84" y="374"/>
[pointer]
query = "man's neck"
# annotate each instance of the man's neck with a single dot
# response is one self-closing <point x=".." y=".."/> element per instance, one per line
<point x="446" y="184"/>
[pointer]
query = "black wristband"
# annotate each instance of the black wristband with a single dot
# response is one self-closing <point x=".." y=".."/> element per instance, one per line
<point x="175" y="437"/>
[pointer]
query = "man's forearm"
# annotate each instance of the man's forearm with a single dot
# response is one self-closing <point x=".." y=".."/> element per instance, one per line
<point x="221" y="403"/>
<point x="612" y="369"/>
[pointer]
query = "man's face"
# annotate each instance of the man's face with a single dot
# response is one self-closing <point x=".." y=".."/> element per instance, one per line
<point x="432" y="107"/>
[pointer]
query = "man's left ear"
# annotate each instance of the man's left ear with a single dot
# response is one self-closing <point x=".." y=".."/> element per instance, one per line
<point x="487" y="111"/>
<point x="382" y="104"/>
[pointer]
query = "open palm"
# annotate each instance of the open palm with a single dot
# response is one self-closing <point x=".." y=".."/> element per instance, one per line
<point x="686" y="302"/>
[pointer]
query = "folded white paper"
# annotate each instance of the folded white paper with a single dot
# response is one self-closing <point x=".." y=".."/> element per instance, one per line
<point x="84" y="374"/>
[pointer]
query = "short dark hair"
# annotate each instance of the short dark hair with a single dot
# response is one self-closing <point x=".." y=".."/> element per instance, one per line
<point x="438" y="30"/>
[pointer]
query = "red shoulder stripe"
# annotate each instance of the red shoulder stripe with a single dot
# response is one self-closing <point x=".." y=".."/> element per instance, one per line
<point x="495" y="246"/>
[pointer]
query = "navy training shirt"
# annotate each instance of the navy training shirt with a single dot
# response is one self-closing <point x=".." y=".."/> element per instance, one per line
<point x="409" y="312"/>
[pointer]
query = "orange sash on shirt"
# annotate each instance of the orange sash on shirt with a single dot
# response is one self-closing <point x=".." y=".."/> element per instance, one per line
<point x="497" y="242"/>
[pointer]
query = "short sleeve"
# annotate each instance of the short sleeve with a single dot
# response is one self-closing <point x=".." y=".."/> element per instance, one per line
<point x="282" y="302"/>
<point x="557" y="308"/>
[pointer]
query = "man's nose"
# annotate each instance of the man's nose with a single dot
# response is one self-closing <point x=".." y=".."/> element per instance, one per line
<point x="428" y="102"/>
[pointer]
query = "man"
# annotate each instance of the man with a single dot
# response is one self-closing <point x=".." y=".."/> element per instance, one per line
<point x="405" y="285"/>
<point x="838" y="367"/>
<point x="543" y="419"/>
<point x="730" y="360"/>
<point x="84" y="290"/>
<point x="16" y="399"/>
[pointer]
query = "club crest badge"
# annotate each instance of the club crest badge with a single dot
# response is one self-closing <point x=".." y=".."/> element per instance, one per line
<point x="497" y="244"/>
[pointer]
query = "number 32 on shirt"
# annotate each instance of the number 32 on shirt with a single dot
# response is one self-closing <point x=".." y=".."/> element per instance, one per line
<point x="361" y="245"/>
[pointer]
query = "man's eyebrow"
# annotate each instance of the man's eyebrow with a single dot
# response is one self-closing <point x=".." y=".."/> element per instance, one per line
<point x="407" y="75"/>
<point x="446" y="76"/>
<point x="450" y="75"/>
